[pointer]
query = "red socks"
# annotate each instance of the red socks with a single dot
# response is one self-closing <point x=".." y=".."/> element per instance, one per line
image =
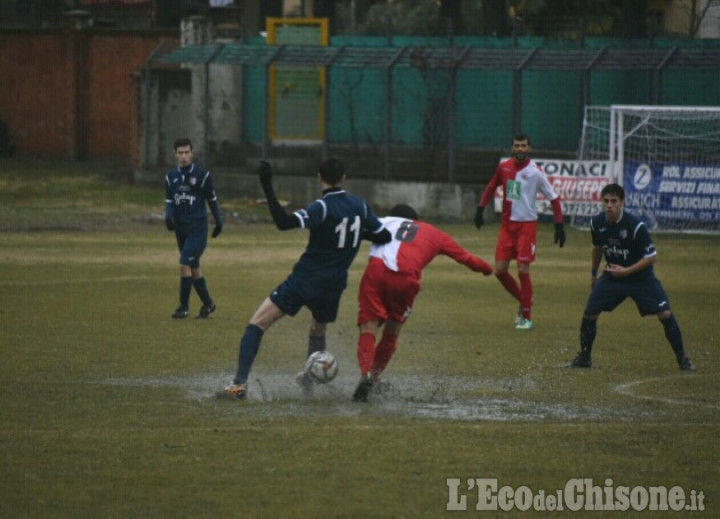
<point x="384" y="352"/>
<point x="526" y="295"/>
<point x="509" y="283"/>
<point x="522" y="292"/>
<point x="366" y="352"/>
<point x="375" y="359"/>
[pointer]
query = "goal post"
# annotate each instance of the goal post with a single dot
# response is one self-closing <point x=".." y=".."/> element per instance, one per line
<point x="667" y="158"/>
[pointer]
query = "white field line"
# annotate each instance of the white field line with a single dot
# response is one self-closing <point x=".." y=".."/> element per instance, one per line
<point x="628" y="389"/>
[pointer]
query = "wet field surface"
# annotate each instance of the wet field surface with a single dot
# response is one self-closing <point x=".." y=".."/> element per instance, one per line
<point x="402" y="396"/>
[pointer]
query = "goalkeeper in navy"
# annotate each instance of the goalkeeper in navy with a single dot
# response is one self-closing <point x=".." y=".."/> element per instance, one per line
<point x="188" y="189"/>
<point x="630" y="254"/>
<point x="337" y="222"/>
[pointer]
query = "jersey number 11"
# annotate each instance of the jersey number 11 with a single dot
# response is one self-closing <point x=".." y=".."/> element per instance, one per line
<point x="342" y="229"/>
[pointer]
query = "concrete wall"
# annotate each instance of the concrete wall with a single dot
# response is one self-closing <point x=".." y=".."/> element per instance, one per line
<point x="178" y="99"/>
<point x="433" y="201"/>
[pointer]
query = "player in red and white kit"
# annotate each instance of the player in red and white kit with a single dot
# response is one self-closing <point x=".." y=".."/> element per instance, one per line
<point x="390" y="283"/>
<point x="521" y="180"/>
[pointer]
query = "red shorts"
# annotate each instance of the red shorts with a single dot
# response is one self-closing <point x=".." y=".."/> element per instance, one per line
<point x="516" y="241"/>
<point x="385" y="294"/>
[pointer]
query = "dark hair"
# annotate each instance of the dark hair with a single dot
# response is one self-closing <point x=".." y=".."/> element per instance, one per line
<point x="613" y="189"/>
<point x="404" y="211"/>
<point x="522" y="137"/>
<point x="181" y="142"/>
<point x="332" y="171"/>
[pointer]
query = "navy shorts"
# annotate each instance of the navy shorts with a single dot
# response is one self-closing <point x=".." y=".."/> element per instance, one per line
<point x="290" y="296"/>
<point x="649" y="295"/>
<point x="192" y="242"/>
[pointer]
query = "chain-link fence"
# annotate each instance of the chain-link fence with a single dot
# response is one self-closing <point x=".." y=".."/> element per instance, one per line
<point x="416" y="105"/>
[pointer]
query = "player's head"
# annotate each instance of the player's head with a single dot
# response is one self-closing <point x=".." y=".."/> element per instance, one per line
<point x="520" y="147"/>
<point x="182" y="142"/>
<point x="332" y="171"/>
<point x="613" y="199"/>
<point x="404" y="211"/>
<point x="613" y="189"/>
<point x="183" y="151"/>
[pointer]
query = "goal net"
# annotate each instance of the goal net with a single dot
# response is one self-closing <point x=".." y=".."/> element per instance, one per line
<point x="667" y="158"/>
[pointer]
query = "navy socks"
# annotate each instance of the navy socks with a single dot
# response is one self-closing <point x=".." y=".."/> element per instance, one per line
<point x="249" y="346"/>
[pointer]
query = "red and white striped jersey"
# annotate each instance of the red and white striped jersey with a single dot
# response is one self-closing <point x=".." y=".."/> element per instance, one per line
<point x="521" y="182"/>
<point x="414" y="244"/>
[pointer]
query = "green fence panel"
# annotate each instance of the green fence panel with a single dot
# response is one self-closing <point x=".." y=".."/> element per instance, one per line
<point x="357" y="106"/>
<point x="484" y="108"/>
<point x="620" y="87"/>
<point x="419" y="107"/>
<point x="551" y="112"/>
<point x="551" y="100"/>
<point x="690" y="87"/>
<point x="254" y="99"/>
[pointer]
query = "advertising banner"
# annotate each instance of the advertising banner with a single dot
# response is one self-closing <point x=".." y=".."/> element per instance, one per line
<point x="673" y="195"/>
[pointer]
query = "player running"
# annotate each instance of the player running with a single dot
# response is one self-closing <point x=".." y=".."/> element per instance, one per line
<point x="390" y="283"/>
<point x="188" y="188"/>
<point x="521" y="180"/>
<point x="630" y="255"/>
<point x="337" y="223"/>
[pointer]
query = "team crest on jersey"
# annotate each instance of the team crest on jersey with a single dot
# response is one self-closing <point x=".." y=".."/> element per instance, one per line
<point x="623" y="234"/>
<point x="193" y="181"/>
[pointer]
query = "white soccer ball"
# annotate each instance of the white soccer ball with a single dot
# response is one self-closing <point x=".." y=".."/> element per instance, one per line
<point x="321" y="367"/>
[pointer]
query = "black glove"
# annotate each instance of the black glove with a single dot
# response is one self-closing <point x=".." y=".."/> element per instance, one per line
<point x="559" y="234"/>
<point x="217" y="230"/>
<point x="169" y="224"/>
<point x="479" y="221"/>
<point x="264" y="171"/>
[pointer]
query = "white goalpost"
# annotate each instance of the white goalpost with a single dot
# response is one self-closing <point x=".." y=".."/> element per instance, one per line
<point x="667" y="158"/>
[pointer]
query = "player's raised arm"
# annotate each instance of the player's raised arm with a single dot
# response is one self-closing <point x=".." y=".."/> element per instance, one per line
<point x="283" y="221"/>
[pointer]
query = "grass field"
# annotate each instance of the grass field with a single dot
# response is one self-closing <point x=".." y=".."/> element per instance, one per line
<point x="108" y="409"/>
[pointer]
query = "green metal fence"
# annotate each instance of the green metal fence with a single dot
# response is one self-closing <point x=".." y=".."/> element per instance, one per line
<point x="418" y="93"/>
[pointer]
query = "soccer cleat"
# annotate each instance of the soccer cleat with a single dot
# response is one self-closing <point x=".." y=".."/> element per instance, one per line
<point x="364" y="387"/>
<point x="180" y="313"/>
<point x="686" y="364"/>
<point x="206" y="310"/>
<point x="583" y="360"/>
<point x="233" y="392"/>
<point x="518" y="316"/>
<point x="524" y="324"/>
<point x="305" y="382"/>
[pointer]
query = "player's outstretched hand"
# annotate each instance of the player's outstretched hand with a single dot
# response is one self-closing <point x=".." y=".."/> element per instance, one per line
<point x="559" y="235"/>
<point x="486" y="268"/>
<point x="264" y="171"/>
<point x="217" y="230"/>
<point x="169" y="224"/>
<point x="479" y="221"/>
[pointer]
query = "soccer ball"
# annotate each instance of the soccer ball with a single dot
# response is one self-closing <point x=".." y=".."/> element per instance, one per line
<point x="321" y="367"/>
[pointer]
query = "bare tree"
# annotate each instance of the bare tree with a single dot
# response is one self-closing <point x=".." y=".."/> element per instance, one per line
<point x="696" y="11"/>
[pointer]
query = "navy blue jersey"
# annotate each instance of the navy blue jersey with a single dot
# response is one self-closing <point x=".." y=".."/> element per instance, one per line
<point x="336" y="222"/>
<point x="187" y="191"/>
<point x="623" y="243"/>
